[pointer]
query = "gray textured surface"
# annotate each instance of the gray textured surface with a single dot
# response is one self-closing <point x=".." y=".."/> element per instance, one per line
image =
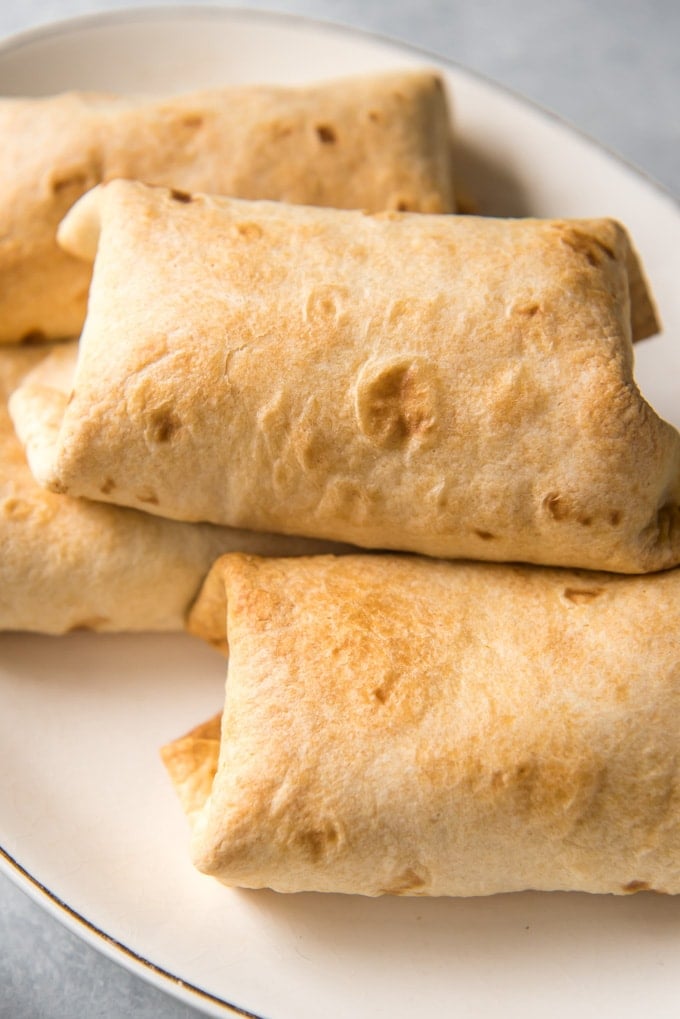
<point x="610" y="67"/>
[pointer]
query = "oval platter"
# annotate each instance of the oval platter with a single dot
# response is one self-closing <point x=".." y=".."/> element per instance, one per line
<point x="89" y="824"/>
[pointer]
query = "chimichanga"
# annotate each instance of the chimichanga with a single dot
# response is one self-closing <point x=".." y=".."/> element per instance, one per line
<point x="416" y="727"/>
<point x="450" y="385"/>
<point x="375" y="142"/>
<point x="69" y="563"/>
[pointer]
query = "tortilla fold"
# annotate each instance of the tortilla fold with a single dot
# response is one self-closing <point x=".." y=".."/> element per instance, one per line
<point x="407" y="726"/>
<point x="372" y="142"/>
<point x="69" y="563"/>
<point x="449" y="385"/>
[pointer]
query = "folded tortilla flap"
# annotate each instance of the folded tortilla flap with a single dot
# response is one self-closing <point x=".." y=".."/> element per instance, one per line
<point x="371" y="141"/>
<point x="405" y="725"/>
<point x="191" y="763"/>
<point x="78" y="233"/>
<point x="450" y="385"/>
<point x="645" y="320"/>
<point x="207" y="617"/>
<point x="37" y="407"/>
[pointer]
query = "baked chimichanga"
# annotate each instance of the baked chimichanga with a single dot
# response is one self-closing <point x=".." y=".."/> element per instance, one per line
<point x="375" y="142"/>
<point x="68" y="563"/>
<point x="405" y="725"/>
<point x="455" y="386"/>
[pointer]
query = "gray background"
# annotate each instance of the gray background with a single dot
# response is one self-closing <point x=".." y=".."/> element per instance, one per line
<point x="611" y="68"/>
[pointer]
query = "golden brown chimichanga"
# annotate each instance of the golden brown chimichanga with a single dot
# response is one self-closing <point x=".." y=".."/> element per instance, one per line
<point x="450" y="385"/>
<point x="377" y="142"/>
<point x="409" y="726"/>
<point x="70" y="563"/>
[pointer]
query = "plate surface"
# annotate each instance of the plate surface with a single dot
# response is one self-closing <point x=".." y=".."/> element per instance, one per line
<point x="88" y="822"/>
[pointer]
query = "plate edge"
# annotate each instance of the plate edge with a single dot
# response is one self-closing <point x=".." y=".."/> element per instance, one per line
<point x="20" y="876"/>
<point x="112" y="947"/>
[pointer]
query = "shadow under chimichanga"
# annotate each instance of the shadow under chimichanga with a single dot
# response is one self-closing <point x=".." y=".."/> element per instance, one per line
<point x="522" y="929"/>
<point x="486" y="188"/>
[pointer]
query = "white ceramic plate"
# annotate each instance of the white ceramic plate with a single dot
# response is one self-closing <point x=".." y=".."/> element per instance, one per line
<point x="88" y="822"/>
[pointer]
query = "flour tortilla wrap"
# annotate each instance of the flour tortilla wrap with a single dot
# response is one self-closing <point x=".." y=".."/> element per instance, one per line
<point x="69" y="563"/>
<point x="449" y="385"/>
<point x="407" y="726"/>
<point x="367" y="142"/>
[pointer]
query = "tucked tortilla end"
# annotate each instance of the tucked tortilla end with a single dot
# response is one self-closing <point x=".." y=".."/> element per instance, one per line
<point x="78" y="232"/>
<point x="37" y="408"/>
<point x="645" y="319"/>
<point x="207" y="617"/>
<point x="191" y="763"/>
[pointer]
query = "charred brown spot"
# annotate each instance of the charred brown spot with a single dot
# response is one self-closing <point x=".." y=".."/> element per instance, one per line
<point x="668" y="518"/>
<point x="326" y="134"/>
<point x="78" y="180"/>
<point x="251" y="231"/>
<point x="384" y="689"/>
<point x="484" y="535"/>
<point x="555" y="506"/>
<point x="615" y="517"/>
<point x="591" y="248"/>
<point x="163" y="426"/>
<point x="149" y="498"/>
<point x="108" y="486"/>
<point x="16" y="509"/>
<point x="327" y="306"/>
<point x="192" y="121"/>
<point x="560" y="508"/>
<point x="180" y="196"/>
<point x="33" y="336"/>
<point x="591" y="258"/>
<point x="622" y="691"/>
<point x="315" y="842"/>
<point x="636" y="886"/>
<point x="466" y="205"/>
<point x="582" y="595"/>
<point x="609" y="252"/>
<point x="529" y="310"/>
<point x="92" y="623"/>
<point x="396" y="404"/>
<point x="408" y="881"/>
<point x="165" y="429"/>
<point x="374" y="116"/>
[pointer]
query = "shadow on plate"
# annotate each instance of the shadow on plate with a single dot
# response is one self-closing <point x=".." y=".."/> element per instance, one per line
<point x="522" y="929"/>
<point x="486" y="188"/>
